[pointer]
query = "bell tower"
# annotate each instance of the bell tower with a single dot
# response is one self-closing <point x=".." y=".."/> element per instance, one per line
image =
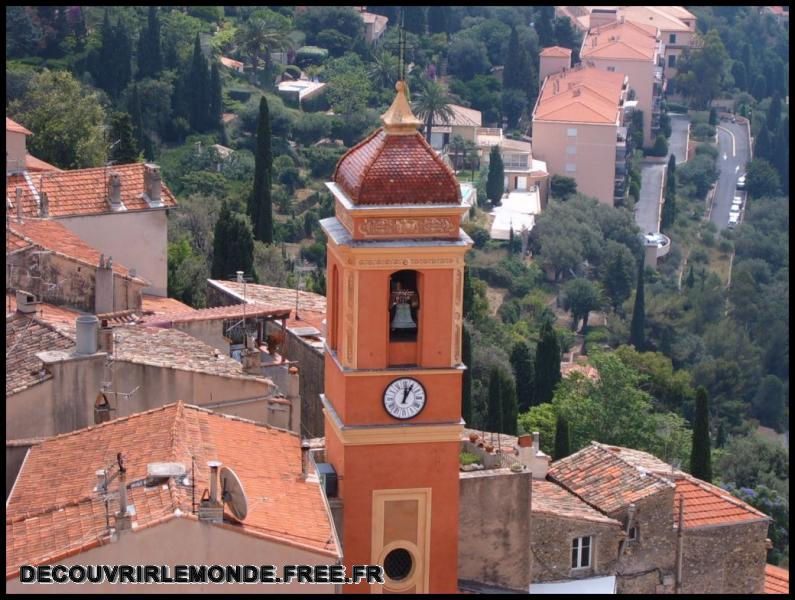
<point x="393" y="370"/>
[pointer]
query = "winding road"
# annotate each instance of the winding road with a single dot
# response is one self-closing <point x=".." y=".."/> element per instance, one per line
<point x="733" y="154"/>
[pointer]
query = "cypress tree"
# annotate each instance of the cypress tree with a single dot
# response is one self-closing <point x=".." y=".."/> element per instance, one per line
<point x="510" y="411"/>
<point x="466" y="388"/>
<point x="216" y="98"/>
<point x="524" y="374"/>
<point x="494" y="412"/>
<point x="637" y="327"/>
<point x="774" y="113"/>
<point x="517" y="65"/>
<point x="495" y="183"/>
<point x="439" y="19"/>
<point x="260" y="206"/>
<point x="543" y="22"/>
<point x="134" y="108"/>
<point x="701" y="457"/>
<point x="762" y="144"/>
<point x="562" y="445"/>
<point x="197" y="89"/>
<point x="233" y="245"/>
<point x="547" y="364"/>
<point x="104" y="62"/>
<point x="469" y="294"/>
<point x="720" y="442"/>
<point x="126" y="149"/>
<point x="150" y="54"/>
<point x="414" y="19"/>
<point x="122" y="59"/>
<point x="691" y="278"/>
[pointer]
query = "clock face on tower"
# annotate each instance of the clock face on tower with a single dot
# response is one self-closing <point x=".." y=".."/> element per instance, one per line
<point x="404" y="398"/>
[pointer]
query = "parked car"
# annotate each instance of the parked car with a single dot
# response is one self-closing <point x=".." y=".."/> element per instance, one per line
<point x="741" y="182"/>
<point x="734" y="218"/>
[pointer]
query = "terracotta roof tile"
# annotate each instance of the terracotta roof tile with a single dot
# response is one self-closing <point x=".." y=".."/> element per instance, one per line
<point x="706" y="504"/>
<point x="396" y="169"/>
<point x="53" y="235"/>
<point x="82" y="191"/>
<point x="233" y="311"/>
<point x="549" y="498"/>
<point x="556" y="51"/>
<point x="231" y="63"/>
<point x="270" y="296"/>
<point x="25" y="337"/>
<point x="15" y="242"/>
<point x="163" y="306"/>
<point x="53" y="511"/>
<point x="604" y="480"/>
<point x="776" y="580"/>
<point x="16" y="127"/>
<point x="36" y="164"/>
<point x="584" y="94"/>
<point x="624" y="41"/>
<point x="664" y="17"/>
<point x="61" y="318"/>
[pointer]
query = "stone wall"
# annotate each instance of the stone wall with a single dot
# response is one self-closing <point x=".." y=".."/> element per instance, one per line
<point x="725" y="560"/>
<point x="551" y="539"/>
<point x="647" y="565"/>
<point x="494" y="528"/>
<point x="311" y="368"/>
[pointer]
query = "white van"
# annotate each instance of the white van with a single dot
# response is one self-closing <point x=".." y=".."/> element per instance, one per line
<point x="734" y="218"/>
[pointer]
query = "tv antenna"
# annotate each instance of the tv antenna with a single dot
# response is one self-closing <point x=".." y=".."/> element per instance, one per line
<point x="232" y="493"/>
<point x="300" y="284"/>
<point x="401" y="47"/>
<point x="241" y="277"/>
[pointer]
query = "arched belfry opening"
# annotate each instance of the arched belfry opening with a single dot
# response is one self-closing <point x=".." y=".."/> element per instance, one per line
<point x="404" y="306"/>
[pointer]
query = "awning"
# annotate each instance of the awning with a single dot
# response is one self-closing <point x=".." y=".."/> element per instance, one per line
<point x="593" y="585"/>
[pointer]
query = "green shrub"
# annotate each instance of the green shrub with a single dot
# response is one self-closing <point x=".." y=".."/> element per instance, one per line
<point x="660" y="147"/>
<point x="467" y="458"/>
<point x="707" y="150"/>
<point x="703" y="131"/>
<point x="725" y="246"/>
<point x="322" y="160"/>
<point x="478" y="234"/>
<point x="708" y="238"/>
<point x="699" y="255"/>
<point x="310" y="55"/>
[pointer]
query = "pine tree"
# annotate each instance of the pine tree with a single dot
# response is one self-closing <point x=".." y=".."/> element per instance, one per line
<point x="466" y="387"/>
<point x="562" y="444"/>
<point x="547" y="364"/>
<point x="126" y="149"/>
<point x="150" y="55"/>
<point x="233" y="245"/>
<point x="494" y="412"/>
<point x="495" y="183"/>
<point x="637" y="336"/>
<point x="260" y="206"/>
<point x="524" y="373"/>
<point x="701" y="455"/>
<point x="216" y="98"/>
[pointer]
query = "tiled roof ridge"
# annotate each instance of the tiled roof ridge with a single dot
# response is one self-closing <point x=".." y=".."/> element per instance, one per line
<point x="440" y="162"/>
<point x="49" y="509"/>
<point x="623" y="23"/>
<point x="125" y="275"/>
<point x="719" y="491"/>
<point x="601" y="517"/>
<point x="577" y="100"/>
<point x="551" y="477"/>
<point x="368" y="167"/>
<point x="43" y="323"/>
<point x="638" y="468"/>
<point x="622" y="43"/>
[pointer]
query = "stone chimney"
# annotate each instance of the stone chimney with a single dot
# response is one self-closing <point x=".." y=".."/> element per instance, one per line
<point x="26" y="302"/>
<point x="252" y="362"/>
<point x="211" y="510"/>
<point x="103" y="301"/>
<point x="45" y="205"/>
<point x="123" y="517"/>
<point x="152" y="185"/>
<point x="105" y="337"/>
<point x="114" y="185"/>
<point x="530" y="455"/>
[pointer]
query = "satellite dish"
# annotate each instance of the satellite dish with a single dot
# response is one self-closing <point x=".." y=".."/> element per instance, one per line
<point x="232" y="493"/>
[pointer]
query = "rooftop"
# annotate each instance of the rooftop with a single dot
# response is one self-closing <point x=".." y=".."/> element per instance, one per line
<point x="53" y="235"/>
<point x="36" y="164"/>
<point x="776" y="580"/>
<point x="707" y="504"/>
<point x="551" y="499"/>
<point x="558" y="51"/>
<point x="61" y="318"/>
<point x="618" y="40"/>
<point x="583" y="94"/>
<point x="231" y="63"/>
<point x="163" y="306"/>
<point x="45" y="523"/>
<point x="270" y="296"/>
<point x="82" y="191"/>
<point x="395" y="165"/>
<point x="666" y="18"/>
<point x="25" y="337"/>
<point x="234" y="311"/>
<point x="15" y="127"/>
<point x="605" y="479"/>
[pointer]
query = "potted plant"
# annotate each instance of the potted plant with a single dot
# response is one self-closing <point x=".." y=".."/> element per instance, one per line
<point x="489" y="447"/>
<point x="473" y="437"/>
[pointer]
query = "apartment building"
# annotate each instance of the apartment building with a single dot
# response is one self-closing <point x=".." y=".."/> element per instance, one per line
<point x="578" y="129"/>
<point x="636" y="51"/>
<point x="677" y="25"/>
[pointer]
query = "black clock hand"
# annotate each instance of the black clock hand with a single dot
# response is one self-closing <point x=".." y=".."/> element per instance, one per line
<point x="406" y="393"/>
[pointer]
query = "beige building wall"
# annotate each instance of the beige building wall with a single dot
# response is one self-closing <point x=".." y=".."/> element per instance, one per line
<point x="548" y="65"/>
<point x="641" y="79"/>
<point x="209" y="331"/>
<point x="15" y="151"/>
<point x="675" y="48"/>
<point x="494" y="533"/>
<point x="76" y="282"/>
<point x="594" y="157"/>
<point x="138" y="240"/>
<point x="184" y="541"/>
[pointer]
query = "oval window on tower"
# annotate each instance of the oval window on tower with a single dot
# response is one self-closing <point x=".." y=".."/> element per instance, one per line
<point x="398" y="564"/>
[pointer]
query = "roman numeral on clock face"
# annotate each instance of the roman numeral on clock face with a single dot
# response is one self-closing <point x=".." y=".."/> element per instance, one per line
<point x="404" y="398"/>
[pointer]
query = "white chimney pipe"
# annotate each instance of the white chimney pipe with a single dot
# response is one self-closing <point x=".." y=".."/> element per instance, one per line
<point x="152" y="185"/>
<point x="86" y="326"/>
<point x="115" y="190"/>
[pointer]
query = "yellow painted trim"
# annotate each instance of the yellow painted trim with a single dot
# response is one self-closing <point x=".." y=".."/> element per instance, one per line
<point x="377" y="435"/>
<point x="421" y="550"/>
<point x="395" y="211"/>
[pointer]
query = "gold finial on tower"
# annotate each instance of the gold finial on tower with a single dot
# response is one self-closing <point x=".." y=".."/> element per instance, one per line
<point x="398" y="119"/>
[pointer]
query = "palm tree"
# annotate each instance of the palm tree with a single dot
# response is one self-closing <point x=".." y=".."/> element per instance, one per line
<point x="432" y="103"/>
<point x="260" y="37"/>
<point x="383" y="70"/>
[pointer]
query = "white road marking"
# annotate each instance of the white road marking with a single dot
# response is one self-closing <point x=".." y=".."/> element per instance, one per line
<point x="734" y="153"/>
<point x="737" y="168"/>
<point x="724" y="156"/>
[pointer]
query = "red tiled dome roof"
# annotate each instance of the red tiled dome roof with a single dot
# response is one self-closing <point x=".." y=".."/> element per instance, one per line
<point x="395" y="165"/>
<point x="396" y="169"/>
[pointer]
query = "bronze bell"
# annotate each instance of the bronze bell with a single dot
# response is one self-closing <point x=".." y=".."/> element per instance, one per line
<point x="402" y="318"/>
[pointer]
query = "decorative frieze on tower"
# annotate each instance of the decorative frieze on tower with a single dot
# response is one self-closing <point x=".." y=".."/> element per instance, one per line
<point x="393" y="373"/>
